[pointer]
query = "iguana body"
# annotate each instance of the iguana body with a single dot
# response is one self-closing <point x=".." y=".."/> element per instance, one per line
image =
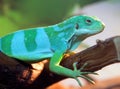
<point x="36" y="44"/>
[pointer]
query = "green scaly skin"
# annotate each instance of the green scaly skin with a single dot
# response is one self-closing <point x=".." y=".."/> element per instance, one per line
<point x="36" y="44"/>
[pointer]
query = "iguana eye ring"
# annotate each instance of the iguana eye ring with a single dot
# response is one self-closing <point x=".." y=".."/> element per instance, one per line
<point x="88" y="21"/>
<point x="77" y="26"/>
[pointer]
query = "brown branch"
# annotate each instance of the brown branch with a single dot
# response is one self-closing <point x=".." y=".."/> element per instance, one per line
<point x="15" y="73"/>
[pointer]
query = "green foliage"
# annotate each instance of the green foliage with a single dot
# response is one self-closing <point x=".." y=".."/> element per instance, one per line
<point x="6" y="26"/>
<point x="44" y="12"/>
<point x="19" y="14"/>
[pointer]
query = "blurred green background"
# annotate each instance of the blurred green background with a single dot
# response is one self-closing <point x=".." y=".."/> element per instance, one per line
<point x="21" y="14"/>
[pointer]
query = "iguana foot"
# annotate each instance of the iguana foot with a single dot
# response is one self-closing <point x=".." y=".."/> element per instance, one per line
<point x="81" y="74"/>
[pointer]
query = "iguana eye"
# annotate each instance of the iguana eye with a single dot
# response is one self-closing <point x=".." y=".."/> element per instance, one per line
<point x="88" y="21"/>
<point x="77" y="26"/>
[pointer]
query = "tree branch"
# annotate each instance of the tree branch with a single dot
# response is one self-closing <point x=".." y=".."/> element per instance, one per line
<point x="15" y="73"/>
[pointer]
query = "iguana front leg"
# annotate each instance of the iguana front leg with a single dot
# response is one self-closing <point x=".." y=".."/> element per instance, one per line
<point x="57" y="68"/>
